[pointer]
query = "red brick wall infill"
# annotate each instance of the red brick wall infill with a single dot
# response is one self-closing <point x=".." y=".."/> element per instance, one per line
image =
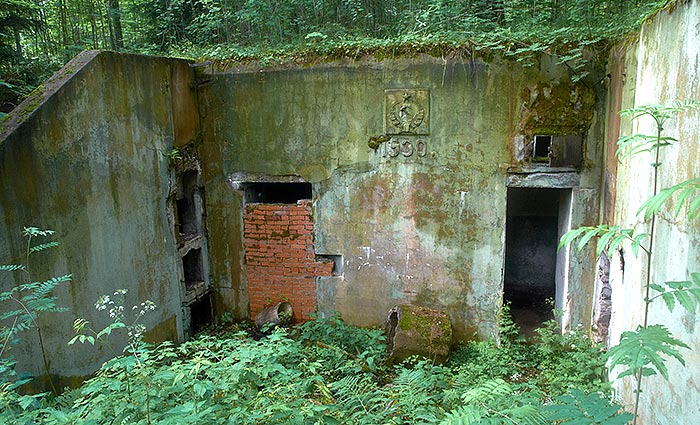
<point x="280" y="257"/>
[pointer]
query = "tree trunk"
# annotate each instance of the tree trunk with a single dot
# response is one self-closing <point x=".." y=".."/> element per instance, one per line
<point x="18" y="42"/>
<point x="63" y="13"/>
<point x="93" y="25"/>
<point x="114" y="18"/>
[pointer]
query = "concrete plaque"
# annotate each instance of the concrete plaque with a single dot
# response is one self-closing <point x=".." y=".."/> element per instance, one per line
<point x="407" y="111"/>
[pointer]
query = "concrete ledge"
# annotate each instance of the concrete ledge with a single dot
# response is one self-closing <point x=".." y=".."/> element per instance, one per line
<point x="544" y="180"/>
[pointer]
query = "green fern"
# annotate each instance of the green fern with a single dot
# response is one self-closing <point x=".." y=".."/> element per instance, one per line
<point x="417" y="393"/>
<point x="43" y="246"/>
<point x="12" y="267"/>
<point x="464" y="415"/>
<point x="632" y="145"/>
<point x="642" y="351"/>
<point x="494" y="402"/>
<point x="487" y="392"/>
<point x="360" y="398"/>
<point x="578" y="408"/>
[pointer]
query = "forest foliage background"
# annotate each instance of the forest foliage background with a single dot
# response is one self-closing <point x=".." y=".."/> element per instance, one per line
<point x="38" y="36"/>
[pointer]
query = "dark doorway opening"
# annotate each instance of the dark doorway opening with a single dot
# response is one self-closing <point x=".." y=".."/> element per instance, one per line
<point x="201" y="314"/>
<point x="532" y="230"/>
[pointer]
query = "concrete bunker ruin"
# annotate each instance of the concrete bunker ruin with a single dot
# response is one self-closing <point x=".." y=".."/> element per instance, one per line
<point x="265" y="191"/>
<point x="282" y="199"/>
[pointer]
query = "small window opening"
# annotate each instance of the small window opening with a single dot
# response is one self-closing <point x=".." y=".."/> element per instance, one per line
<point x="275" y="193"/>
<point x="201" y="314"/>
<point x="337" y="263"/>
<point x="193" y="268"/>
<point x="541" y="148"/>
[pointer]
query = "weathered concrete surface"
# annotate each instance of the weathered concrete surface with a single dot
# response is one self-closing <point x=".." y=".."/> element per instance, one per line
<point x="661" y="67"/>
<point x="89" y="161"/>
<point x="426" y="229"/>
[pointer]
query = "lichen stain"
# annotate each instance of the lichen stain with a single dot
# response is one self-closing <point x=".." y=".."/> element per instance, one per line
<point x="165" y="330"/>
<point x="373" y="200"/>
<point x="426" y="198"/>
<point x="556" y="109"/>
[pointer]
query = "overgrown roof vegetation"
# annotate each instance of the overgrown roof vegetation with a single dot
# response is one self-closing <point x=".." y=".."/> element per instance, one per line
<point x="36" y="37"/>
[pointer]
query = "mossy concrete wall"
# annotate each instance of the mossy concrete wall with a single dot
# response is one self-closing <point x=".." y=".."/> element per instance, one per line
<point x="86" y="156"/>
<point x="423" y="229"/>
<point x="662" y="66"/>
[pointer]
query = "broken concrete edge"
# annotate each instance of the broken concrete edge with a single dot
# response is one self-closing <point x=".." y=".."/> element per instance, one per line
<point x="235" y="180"/>
<point x="37" y="98"/>
<point x="413" y="330"/>
<point x="41" y="94"/>
<point x="563" y="180"/>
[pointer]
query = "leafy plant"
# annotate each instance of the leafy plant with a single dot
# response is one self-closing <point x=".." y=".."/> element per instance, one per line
<point x="579" y="408"/>
<point x="115" y="307"/>
<point x="323" y="371"/>
<point x="23" y="304"/>
<point x="643" y="352"/>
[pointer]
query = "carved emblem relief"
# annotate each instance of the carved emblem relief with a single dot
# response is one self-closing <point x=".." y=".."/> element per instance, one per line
<point x="407" y="112"/>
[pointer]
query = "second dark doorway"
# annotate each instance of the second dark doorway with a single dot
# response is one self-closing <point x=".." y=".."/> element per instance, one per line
<point x="532" y="229"/>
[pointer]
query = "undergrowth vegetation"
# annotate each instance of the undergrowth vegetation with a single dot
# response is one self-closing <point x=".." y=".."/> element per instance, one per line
<point x="325" y="372"/>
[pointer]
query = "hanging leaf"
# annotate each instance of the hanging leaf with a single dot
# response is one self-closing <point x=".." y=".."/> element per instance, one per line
<point x="644" y="350"/>
<point x="685" y="190"/>
<point x="684" y="292"/>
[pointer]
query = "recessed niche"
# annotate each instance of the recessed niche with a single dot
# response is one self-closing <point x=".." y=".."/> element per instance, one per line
<point x="275" y="193"/>
<point x="187" y="204"/>
<point x="337" y="262"/>
<point x="192" y="266"/>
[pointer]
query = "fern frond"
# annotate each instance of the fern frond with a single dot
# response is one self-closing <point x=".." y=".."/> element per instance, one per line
<point x="359" y="397"/>
<point x="43" y="289"/>
<point x="632" y="145"/>
<point x="527" y="414"/>
<point x="35" y="231"/>
<point x="464" y="415"/>
<point x="12" y="267"/>
<point x="11" y="313"/>
<point x="580" y="408"/>
<point x="610" y="237"/>
<point x="488" y="391"/>
<point x="43" y="246"/>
